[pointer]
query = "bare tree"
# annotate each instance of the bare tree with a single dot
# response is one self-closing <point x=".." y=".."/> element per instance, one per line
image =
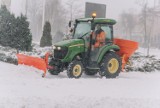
<point x="74" y="9"/>
<point x="128" y="23"/>
<point x="148" y="20"/>
<point x="53" y="12"/>
<point x="34" y="14"/>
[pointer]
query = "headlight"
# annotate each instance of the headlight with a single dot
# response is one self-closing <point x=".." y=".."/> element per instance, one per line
<point x="54" y="47"/>
<point x="59" y="48"/>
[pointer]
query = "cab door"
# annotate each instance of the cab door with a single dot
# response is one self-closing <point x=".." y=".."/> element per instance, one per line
<point x="109" y="33"/>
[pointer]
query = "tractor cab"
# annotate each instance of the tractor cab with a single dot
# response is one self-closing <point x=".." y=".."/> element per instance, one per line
<point x="86" y="28"/>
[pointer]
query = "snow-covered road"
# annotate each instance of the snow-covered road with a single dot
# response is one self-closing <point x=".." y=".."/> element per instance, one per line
<point x="23" y="87"/>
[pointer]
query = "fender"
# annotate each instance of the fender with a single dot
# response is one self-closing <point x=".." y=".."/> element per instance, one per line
<point x="106" y="49"/>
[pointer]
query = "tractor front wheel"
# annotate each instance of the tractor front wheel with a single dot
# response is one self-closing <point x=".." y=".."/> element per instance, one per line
<point x="111" y="65"/>
<point x="75" y="69"/>
<point x="52" y="72"/>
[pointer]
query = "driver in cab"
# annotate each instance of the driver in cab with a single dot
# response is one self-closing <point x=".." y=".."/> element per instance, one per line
<point x="98" y="40"/>
<point x="98" y="37"/>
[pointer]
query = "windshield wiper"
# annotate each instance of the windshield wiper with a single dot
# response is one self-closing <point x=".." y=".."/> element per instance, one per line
<point x="83" y="35"/>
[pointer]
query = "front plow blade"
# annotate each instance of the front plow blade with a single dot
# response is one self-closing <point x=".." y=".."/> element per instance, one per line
<point x="36" y="62"/>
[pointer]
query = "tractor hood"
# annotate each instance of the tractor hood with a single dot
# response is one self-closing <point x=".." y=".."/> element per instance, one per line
<point x="68" y="43"/>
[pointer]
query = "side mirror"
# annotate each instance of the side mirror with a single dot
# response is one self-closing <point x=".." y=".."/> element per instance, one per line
<point x="70" y="23"/>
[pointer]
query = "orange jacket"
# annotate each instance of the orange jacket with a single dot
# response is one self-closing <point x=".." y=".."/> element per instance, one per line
<point x="100" y="40"/>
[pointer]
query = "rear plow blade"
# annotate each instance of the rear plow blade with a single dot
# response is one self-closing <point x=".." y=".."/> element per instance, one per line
<point x="127" y="48"/>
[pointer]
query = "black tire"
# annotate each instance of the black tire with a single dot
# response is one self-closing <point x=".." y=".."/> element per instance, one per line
<point x="111" y="65"/>
<point x="75" y="69"/>
<point x="56" y="69"/>
<point x="90" y="72"/>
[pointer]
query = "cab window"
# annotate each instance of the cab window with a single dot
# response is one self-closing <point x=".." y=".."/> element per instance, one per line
<point x="107" y="31"/>
<point x="82" y="28"/>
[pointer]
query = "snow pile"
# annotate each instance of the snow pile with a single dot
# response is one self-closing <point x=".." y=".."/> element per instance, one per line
<point x="37" y="51"/>
<point x="142" y="63"/>
<point x="8" y="54"/>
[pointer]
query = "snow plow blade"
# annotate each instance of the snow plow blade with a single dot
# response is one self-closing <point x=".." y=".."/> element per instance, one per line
<point x="36" y="62"/>
<point x="127" y="48"/>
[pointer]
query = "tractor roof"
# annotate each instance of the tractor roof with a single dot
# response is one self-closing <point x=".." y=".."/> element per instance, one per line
<point x="98" y="20"/>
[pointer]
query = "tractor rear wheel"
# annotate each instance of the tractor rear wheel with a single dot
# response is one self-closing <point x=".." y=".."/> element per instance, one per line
<point x="75" y="69"/>
<point x="111" y="65"/>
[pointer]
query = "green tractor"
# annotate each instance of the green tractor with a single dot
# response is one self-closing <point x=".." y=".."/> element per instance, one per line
<point x="76" y="55"/>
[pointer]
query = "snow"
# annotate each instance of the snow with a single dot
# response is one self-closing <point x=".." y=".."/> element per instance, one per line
<point x="139" y="61"/>
<point x="23" y="87"/>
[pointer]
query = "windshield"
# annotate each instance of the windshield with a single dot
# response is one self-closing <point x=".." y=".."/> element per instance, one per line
<point x="81" y="29"/>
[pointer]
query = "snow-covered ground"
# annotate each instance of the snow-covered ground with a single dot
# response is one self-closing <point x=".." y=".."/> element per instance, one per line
<point x="23" y="87"/>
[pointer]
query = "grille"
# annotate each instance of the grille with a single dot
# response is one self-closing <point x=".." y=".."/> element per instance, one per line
<point x="60" y="54"/>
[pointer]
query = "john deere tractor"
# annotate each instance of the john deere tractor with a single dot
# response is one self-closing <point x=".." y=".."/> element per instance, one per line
<point x="76" y="55"/>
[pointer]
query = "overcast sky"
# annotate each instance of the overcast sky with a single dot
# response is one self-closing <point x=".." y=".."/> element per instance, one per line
<point x="114" y="7"/>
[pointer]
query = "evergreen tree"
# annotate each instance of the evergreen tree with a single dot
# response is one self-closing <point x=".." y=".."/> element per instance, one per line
<point x="6" y="26"/>
<point x="14" y="32"/>
<point x="46" y="39"/>
<point x="22" y="36"/>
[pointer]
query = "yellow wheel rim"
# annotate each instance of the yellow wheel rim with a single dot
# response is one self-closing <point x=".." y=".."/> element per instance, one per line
<point x="77" y="70"/>
<point x="113" y="65"/>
